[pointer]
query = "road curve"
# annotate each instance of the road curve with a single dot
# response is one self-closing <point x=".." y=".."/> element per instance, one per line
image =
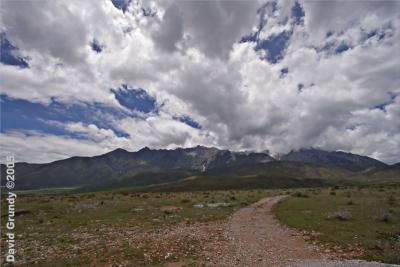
<point x="257" y="239"/>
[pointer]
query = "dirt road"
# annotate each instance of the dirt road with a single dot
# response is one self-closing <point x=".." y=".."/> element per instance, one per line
<point x="257" y="239"/>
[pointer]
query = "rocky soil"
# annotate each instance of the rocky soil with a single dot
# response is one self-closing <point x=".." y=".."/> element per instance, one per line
<point x="253" y="237"/>
<point x="250" y="237"/>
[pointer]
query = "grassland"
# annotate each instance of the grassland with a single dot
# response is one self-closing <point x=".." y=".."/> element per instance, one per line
<point x="134" y="228"/>
<point x="353" y="221"/>
<point x="128" y="228"/>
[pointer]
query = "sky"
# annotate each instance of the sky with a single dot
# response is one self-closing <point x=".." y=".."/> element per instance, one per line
<point x="81" y="78"/>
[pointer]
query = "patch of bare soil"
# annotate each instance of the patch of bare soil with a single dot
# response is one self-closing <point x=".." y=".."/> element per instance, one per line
<point x="106" y="245"/>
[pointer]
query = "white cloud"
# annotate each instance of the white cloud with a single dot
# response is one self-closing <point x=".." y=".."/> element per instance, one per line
<point x="41" y="148"/>
<point x="189" y="58"/>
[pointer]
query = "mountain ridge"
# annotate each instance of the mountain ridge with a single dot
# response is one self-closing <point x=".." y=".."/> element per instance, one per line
<point x="341" y="159"/>
<point x="147" y="166"/>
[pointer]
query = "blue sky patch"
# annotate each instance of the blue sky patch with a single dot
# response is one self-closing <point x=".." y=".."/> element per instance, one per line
<point x="18" y="114"/>
<point x="386" y="31"/>
<point x="342" y="47"/>
<point x="300" y="87"/>
<point x="284" y="72"/>
<point x="96" y="46"/>
<point x="121" y="4"/>
<point x="7" y="51"/>
<point x="298" y="13"/>
<point x="275" y="46"/>
<point x="135" y="99"/>
<point x="375" y="33"/>
<point x="253" y="37"/>
<point x="189" y="121"/>
<point x="392" y="98"/>
<point x="148" y="12"/>
<point x="329" y="34"/>
<point x="334" y="48"/>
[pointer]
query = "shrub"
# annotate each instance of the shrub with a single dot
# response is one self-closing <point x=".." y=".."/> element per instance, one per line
<point x="383" y="216"/>
<point x="342" y="215"/>
<point x="244" y="203"/>
<point x="299" y="194"/>
<point x="391" y="200"/>
<point x="315" y="192"/>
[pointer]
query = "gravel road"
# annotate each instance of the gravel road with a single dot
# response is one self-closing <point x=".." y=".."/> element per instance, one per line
<point x="257" y="239"/>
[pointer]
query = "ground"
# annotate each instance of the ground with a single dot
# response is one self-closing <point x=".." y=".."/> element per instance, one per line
<point x="255" y="238"/>
<point x="361" y="222"/>
<point x="97" y="229"/>
<point x="171" y="229"/>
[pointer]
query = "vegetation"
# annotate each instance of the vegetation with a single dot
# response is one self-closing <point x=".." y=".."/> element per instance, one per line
<point x="149" y="217"/>
<point x="119" y="227"/>
<point x="366" y="219"/>
<point x="272" y="175"/>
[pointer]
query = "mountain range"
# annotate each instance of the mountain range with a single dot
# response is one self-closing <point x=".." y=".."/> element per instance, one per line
<point x="333" y="158"/>
<point x="120" y="168"/>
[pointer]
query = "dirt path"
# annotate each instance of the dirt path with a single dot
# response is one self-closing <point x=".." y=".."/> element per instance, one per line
<point x="257" y="239"/>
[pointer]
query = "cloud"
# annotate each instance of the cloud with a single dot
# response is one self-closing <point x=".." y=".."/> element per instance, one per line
<point x="29" y="24"/>
<point x="214" y="34"/>
<point x="225" y="23"/>
<point x="41" y="148"/>
<point x="91" y="131"/>
<point x="218" y="63"/>
<point x="170" y="31"/>
<point x="321" y="17"/>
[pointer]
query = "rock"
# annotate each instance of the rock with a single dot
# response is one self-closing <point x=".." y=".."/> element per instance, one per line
<point x="218" y="205"/>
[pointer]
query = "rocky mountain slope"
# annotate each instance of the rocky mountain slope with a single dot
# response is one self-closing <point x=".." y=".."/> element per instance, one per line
<point x="333" y="158"/>
<point x="120" y="168"/>
<point x="120" y="164"/>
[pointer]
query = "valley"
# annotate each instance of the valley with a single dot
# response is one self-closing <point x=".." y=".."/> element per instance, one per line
<point x="207" y="207"/>
<point x="209" y="228"/>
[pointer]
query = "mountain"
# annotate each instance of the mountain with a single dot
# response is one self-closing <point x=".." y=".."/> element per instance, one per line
<point x="207" y="168"/>
<point x="338" y="159"/>
<point x="396" y="165"/>
<point x="274" y="174"/>
<point x="389" y="173"/>
<point x="120" y="165"/>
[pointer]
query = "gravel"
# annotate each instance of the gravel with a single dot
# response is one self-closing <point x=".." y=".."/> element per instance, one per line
<point x="345" y="263"/>
<point x="254" y="238"/>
